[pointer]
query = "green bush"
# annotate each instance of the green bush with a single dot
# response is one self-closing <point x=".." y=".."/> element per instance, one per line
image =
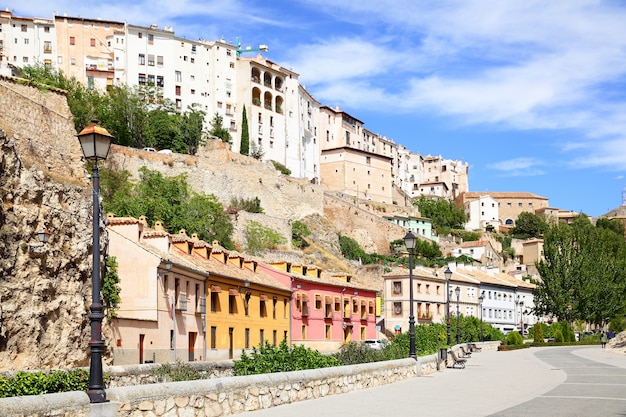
<point x="259" y="237"/>
<point x="269" y="359"/>
<point x="514" y="338"/>
<point x="538" y="333"/>
<point x="353" y="353"/>
<point x="179" y="371"/>
<point x="281" y="168"/>
<point x="558" y="336"/>
<point x="36" y="383"/>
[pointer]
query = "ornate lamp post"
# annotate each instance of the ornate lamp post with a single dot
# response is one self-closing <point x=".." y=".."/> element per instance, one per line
<point x="457" y="291"/>
<point x="448" y="274"/>
<point x="95" y="142"/>
<point x="409" y="243"/>
<point x="481" y="298"/>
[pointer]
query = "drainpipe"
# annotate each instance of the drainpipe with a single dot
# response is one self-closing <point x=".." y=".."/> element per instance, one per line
<point x="204" y="316"/>
<point x="290" y="315"/>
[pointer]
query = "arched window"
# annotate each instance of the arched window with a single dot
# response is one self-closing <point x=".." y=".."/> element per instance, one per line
<point x="278" y="83"/>
<point x="256" y="75"/>
<point x="267" y="100"/>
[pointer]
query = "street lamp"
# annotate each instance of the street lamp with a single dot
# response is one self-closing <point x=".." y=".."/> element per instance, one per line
<point x="481" y="298"/>
<point x="457" y="291"/>
<point x="95" y="142"/>
<point x="409" y="243"/>
<point x="521" y="315"/>
<point x="448" y="274"/>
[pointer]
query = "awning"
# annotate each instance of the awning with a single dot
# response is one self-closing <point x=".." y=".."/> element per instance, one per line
<point x="318" y="297"/>
<point x="328" y="299"/>
<point x="263" y="297"/>
<point x="233" y="291"/>
<point x="215" y="288"/>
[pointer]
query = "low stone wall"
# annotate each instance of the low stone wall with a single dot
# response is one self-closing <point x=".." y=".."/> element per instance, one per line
<point x="129" y="375"/>
<point x="220" y="396"/>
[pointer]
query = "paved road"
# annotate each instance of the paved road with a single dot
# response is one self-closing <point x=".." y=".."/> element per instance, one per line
<point x="555" y="381"/>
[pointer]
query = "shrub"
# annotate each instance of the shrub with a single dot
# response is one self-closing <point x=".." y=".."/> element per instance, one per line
<point x="268" y="359"/>
<point x="299" y="231"/>
<point x="558" y="336"/>
<point x="514" y="338"/>
<point x="537" y="333"/>
<point x="179" y="371"/>
<point x="281" y="168"/>
<point x="357" y="352"/>
<point x="36" y="383"/>
<point x="259" y="237"/>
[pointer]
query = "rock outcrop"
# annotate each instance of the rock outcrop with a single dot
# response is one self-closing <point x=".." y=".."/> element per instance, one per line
<point x="45" y="290"/>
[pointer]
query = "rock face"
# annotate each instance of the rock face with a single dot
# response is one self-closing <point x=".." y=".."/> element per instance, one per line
<point x="44" y="290"/>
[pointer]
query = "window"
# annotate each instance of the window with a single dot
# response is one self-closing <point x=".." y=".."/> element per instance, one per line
<point x="178" y="90"/>
<point x="140" y="35"/>
<point x="262" y="309"/>
<point x="274" y="301"/>
<point x="215" y="302"/>
<point x="92" y="42"/>
<point x="397" y="308"/>
<point x="213" y="337"/>
<point x="142" y="59"/>
<point x="232" y="304"/>
<point x="151" y="60"/>
<point x="24" y="28"/>
<point x="327" y="332"/>
<point x="262" y="336"/>
<point x="150" y="38"/>
<point x="72" y="40"/>
<point x="246" y="338"/>
<point x="47" y="46"/>
<point x="274" y="337"/>
<point x="159" y="60"/>
<point x="72" y="61"/>
<point x="303" y="330"/>
<point x="178" y="76"/>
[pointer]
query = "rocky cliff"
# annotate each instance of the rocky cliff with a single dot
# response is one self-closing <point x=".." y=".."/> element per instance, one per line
<point x="44" y="290"/>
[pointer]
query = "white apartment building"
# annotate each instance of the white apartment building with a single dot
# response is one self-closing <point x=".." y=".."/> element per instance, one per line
<point x="271" y="95"/>
<point x="308" y="161"/>
<point x="25" y="41"/>
<point x="185" y="72"/>
<point x="482" y="212"/>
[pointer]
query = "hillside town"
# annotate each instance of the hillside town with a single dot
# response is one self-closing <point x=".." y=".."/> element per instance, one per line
<point x="183" y="298"/>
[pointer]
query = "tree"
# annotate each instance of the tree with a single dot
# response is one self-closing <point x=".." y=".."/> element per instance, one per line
<point x="444" y="213"/>
<point x="192" y="135"/>
<point x="218" y="130"/>
<point x="124" y="113"/>
<point x="582" y="274"/>
<point x="170" y="200"/>
<point x="529" y="225"/>
<point x="245" y="135"/>
<point x="611" y="224"/>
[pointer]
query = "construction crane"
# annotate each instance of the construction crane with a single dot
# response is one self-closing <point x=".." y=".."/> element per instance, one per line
<point x="240" y="50"/>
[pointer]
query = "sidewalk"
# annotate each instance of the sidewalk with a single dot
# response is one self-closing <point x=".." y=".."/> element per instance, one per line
<point x="491" y="381"/>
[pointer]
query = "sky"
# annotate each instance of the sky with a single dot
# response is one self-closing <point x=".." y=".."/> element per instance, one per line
<point x="531" y="94"/>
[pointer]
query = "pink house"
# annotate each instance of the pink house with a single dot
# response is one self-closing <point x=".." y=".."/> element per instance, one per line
<point x="326" y="311"/>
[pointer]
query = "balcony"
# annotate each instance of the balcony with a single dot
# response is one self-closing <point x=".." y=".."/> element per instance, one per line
<point x="201" y="306"/>
<point x="181" y="303"/>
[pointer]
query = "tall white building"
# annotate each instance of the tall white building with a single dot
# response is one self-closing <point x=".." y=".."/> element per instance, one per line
<point x="185" y="72"/>
<point x="308" y="158"/>
<point x="25" y="41"/>
<point x="271" y="95"/>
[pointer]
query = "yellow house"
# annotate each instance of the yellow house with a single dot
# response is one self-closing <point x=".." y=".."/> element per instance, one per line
<point x="245" y="306"/>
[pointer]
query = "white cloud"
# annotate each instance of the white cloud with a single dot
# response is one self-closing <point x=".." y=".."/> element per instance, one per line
<point x="518" y="167"/>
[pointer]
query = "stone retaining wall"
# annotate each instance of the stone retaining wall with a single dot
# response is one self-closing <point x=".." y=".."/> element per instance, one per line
<point x="220" y="396"/>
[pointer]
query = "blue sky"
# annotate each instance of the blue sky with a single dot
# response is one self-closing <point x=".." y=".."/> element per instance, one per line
<point x="532" y="94"/>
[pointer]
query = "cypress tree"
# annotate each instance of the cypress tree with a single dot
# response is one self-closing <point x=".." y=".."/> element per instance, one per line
<point x="245" y="135"/>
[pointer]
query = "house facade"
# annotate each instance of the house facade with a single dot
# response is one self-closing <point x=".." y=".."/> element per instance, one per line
<point x="326" y="311"/>
<point x="183" y="299"/>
